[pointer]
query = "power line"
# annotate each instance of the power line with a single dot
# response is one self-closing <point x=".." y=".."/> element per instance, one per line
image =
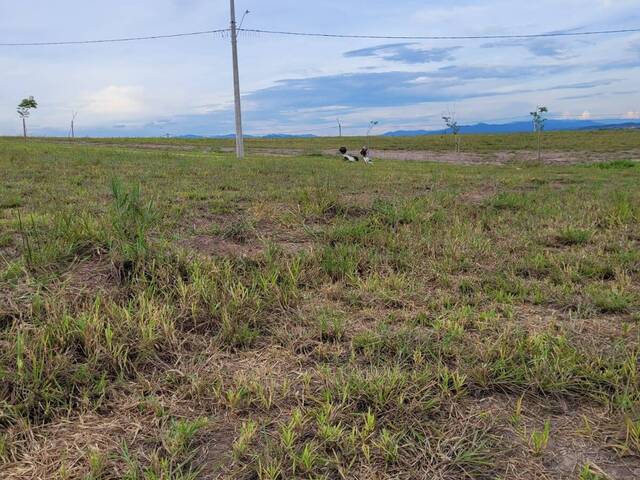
<point x="442" y="37"/>
<point x="328" y="35"/>
<point x="115" y="40"/>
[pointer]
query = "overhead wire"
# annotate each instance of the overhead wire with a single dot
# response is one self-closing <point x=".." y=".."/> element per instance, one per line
<point x="114" y="40"/>
<point x="325" y="35"/>
<point x="443" y="37"/>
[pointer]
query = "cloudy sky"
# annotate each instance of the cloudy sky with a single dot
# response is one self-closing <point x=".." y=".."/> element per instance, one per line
<point x="297" y="85"/>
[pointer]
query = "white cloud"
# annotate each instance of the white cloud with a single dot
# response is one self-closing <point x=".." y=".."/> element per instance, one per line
<point x="117" y="100"/>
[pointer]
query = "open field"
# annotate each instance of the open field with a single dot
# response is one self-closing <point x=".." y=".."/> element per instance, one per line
<point x="559" y="147"/>
<point x="591" y="141"/>
<point x="299" y="317"/>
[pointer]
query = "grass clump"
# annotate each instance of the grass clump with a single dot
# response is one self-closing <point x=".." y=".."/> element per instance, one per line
<point x="508" y="201"/>
<point x="574" y="236"/>
<point x="616" y="164"/>
<point x="131" y="219"/>
<point x="331" y="326"/>
<point x="610" y="300"/>
<point x="341" y="262"/>
<point x="396" y="213"/>
<point x="241" y="231"/>
<point x="8" y="201"/>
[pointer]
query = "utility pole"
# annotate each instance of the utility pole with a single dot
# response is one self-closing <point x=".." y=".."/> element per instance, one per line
<point x="236" y="83"/>
<point x="73" y="132"/>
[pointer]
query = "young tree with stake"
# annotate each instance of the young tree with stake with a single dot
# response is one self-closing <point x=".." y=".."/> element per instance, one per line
<point x="24" y="110"/>
<point x="538" y="126"/>
<point x="372" y="125"/>
<point x="452" y="124"/>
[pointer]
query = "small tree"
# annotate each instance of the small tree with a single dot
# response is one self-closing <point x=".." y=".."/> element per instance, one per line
<point x="24" y="110"/>
<point x="538" y="126"/>
<point x="372" y="124"/>
<point x="452" y="124"/>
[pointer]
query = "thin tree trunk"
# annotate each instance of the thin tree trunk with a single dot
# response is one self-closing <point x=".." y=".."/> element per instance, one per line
<point x="539" y="146"/>
<point x="24" y="129"/>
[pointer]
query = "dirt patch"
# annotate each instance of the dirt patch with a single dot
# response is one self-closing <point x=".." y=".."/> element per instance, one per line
<point x="66" y="444"/>
<point x="576" y="439"/>
<point x="215" y="451"/>
<point x="91" y="276"/>
<point x="462" y="158"/>
<point x="291" y="239"/>
<point x="478" y="196"/>
<point x="239" y="234"/>
<point x="215" y="246"/>
<point x="497" y="158"/>
<point x="592" y="332"/>
<point x="204" y="221"/>
<point x="138" y="146"/>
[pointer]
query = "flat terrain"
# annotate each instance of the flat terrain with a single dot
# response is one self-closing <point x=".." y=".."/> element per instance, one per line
<point x="168" y="312"/>
<point x="559" y="147"/>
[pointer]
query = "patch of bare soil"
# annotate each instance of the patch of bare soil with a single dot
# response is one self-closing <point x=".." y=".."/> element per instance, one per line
<point x="462" y="158"/>
<point x="140" y="146"/>
<point x="219" y="247"/>
<point x="233" y="235"/>
<point x="63" y="448"/>
<point x="498" y="158"/>
<point x="291" y="240"/>
<point x="89" y="277"/>
<point x="572" y="446"/>
<point x="272" y="152"/>
<point x="579" y="436"/>
<point x="592" y="332"/>
<point x="476" y="197"/>
<point x="215" y="451"/>
<point x="12" y="303"/>
<point x="64" y="445"/>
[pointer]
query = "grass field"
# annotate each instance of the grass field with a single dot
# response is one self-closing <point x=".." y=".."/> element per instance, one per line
<point x="175" y="314"/>
<point x="576" y="141"/>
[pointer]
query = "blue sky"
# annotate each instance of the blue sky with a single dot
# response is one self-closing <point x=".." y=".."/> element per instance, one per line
<point x="298" y="85"/>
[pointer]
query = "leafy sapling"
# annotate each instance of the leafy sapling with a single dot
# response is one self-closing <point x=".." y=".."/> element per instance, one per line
<point x="452" y="124"/>
<point x="538" y="126"/>
<point x="372" y="125"/>
<point x="24" y="110"/>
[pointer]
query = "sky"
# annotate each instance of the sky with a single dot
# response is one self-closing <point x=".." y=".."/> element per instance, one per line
<point x="304" y="85"/>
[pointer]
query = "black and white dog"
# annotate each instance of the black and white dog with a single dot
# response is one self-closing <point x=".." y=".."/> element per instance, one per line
<point x="354" y="158"/>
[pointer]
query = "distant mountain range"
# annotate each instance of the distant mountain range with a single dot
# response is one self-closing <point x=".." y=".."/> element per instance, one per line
<point x="513" y="127"/>
<point x="616" y="126"/>
<point x="232" y="135"/>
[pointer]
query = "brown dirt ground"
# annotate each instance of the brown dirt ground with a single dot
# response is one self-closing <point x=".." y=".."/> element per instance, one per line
<point x="462" y="158"/>
<point x="499" y="158"/>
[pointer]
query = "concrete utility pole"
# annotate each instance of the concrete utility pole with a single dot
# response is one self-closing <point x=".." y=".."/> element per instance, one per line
<point x="73" y="132"/>
<point x="236" y="83"/>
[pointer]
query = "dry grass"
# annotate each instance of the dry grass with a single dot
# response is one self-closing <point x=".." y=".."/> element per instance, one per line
<point x="304" y="318"/>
